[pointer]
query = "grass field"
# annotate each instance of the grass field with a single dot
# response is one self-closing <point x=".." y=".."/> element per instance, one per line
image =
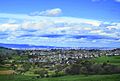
<point x="114" y="77"/>
<point x="4" y="67"/>
<point x="112" y="59"/>
<point x="7" y="72"/>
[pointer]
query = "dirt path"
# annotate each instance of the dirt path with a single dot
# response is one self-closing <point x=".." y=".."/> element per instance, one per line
<point x="7" y="72"/>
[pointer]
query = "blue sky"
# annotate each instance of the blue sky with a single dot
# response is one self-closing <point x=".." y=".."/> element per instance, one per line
<point x="68" y="23"/>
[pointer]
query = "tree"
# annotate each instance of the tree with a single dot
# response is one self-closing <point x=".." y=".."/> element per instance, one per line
<point x="73" y="69"/>
<point x="26" y="66"/>
<point x="42" y="73"/>
<point x="83" y="70"/>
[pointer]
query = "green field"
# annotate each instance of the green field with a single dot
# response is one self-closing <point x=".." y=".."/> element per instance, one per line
<point x="111" y="59"/>
<point x="114" y="77"/>
<point x="4" y="68"/>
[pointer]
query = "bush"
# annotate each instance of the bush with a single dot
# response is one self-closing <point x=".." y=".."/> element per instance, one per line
<point x="83" y="70"/>
<point x="97" y="69"/>
<point x="73" y="69"/>
<point x="57" y="74"/>
<point x="26" y="66"/>
<point x="86" y="67"/>
<point x="42" y="73"/>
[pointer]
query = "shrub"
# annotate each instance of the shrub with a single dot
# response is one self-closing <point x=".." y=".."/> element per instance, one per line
<point x="26" y="66"/>
<point x="42" y="73"/>
<point x="57" y="74"/>
<point x="83" y="70"/>
<point x="73" y="69"/>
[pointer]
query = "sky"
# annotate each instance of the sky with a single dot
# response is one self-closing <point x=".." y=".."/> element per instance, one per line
<point x="62" y="23"/>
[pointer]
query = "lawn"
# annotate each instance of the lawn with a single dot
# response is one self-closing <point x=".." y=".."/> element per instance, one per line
<point x="3" y="67"/>
<point x="111" y="59"/>
<point x="114" y="77"/>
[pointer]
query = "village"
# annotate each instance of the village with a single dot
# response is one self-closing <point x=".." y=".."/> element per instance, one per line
<point x="69" y="56"/>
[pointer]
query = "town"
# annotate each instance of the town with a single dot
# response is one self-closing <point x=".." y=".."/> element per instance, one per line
<point x="61" y="56"/>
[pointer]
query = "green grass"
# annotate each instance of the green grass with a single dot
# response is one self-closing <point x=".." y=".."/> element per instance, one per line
<point x="112" y="59"/>
<point x="114" y="77"/>
<point x="2" y="68"/>
<point x="17" y="58"/>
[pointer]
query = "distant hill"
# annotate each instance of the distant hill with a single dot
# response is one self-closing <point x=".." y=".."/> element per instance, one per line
<point x="20" y="46"/>
<point x="27" y="46"/>
<point x="7" y="51"/>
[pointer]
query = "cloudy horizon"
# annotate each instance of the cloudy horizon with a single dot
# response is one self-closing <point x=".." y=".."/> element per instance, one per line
<point x="53" y="26"/>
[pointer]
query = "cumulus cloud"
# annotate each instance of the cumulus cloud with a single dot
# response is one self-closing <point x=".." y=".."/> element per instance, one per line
<point x="50" y="12"/>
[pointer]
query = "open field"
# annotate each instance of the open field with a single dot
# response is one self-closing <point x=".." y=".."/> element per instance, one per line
<point x="7" y="72"/>
<point x="4" y="67"/>
<point x="114" y="77"/>
<point x="111" y="59"/>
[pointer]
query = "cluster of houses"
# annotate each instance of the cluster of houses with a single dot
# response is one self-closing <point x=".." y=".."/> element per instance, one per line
<point x="66" y="56"/>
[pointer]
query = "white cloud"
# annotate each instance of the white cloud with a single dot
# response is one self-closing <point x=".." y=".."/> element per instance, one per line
<point x="72" y="20"/>
<point x="114" y="26"/>
<point x="87" y="28"/>
<point x="9" y="27"/>
<point x="96" y="31"/>
<point x="117" y="0"/>
<point x="28" y="25"/>
<point x="32" y="27"/>
<point x="50" y="12"/>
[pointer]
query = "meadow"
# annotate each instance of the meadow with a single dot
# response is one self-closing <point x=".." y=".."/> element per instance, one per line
<point x="114" y="77"/>
<point x="110" y="59"/>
